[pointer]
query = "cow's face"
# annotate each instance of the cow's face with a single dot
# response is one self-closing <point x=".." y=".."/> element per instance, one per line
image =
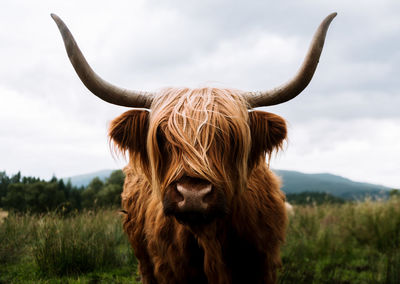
<point x="197" y="148"/>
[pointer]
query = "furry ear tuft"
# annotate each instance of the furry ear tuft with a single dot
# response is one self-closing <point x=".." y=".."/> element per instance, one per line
<point x="129" y="131"/>
<point x="268" y="132"/>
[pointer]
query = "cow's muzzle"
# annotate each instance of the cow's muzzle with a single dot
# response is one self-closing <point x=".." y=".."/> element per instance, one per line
<point x="193" y="201"/>
<point x="193" y="198"/>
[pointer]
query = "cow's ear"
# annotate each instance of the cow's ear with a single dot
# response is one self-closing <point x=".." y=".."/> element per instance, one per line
<point x="268" y="132"/>
<point x="129" y="131"/>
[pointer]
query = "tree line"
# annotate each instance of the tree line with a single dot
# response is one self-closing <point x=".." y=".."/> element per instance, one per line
<point x="30" y="194"/>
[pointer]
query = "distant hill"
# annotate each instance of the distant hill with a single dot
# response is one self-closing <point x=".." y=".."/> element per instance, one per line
<point x="85" y="179"/>
<point x="293" y="182"/>
<point x="296" y="182"/>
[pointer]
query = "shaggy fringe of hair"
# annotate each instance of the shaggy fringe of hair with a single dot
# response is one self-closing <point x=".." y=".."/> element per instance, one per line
<point x="205" y="130"/>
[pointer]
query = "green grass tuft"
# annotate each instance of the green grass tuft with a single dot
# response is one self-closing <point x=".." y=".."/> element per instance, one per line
<point x="80" y="244"/>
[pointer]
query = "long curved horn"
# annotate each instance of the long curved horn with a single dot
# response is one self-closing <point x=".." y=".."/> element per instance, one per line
<point x="93" y="82"/>
<point x="303" y="77"/>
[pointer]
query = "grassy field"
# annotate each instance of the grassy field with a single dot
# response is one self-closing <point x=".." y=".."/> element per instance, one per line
<point x="349" y="243"/>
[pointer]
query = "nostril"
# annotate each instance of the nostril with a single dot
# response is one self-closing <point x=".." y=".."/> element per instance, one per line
<point x="176" y="195"/>
<point x="205" y="191"/>
<point x="207" y="198"/>
<point x="187" y="191"/>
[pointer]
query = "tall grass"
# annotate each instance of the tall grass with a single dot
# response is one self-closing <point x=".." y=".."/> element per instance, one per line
<point x="15" y="237"/>
<point x="78" y="244"/>
<point x="350" y="243"/>
<point x="70" y="245"/>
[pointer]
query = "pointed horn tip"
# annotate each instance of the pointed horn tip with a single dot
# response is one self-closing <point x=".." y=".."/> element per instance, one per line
<point x="331" y="16"/>
<point x="57" y="19"/>
<point x="320" y="33"/>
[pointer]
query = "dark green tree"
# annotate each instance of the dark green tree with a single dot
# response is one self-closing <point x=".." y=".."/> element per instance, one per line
<point x="4" y="182"/>
<point x="15" y="198"/>
<point x="89" y="195"/>
<point x="117" y="177"/>
<point x="110" y="195"/>
<point x="16" y="178"/>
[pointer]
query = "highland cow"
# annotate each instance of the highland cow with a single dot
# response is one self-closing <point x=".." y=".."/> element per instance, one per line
<point x="202" y="205"/>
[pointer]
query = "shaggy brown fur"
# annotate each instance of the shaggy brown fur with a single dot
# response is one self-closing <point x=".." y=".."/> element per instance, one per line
<point x="209" y="134"/>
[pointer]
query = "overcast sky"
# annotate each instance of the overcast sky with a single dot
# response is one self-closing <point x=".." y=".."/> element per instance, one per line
<point x="347" y="122"/>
